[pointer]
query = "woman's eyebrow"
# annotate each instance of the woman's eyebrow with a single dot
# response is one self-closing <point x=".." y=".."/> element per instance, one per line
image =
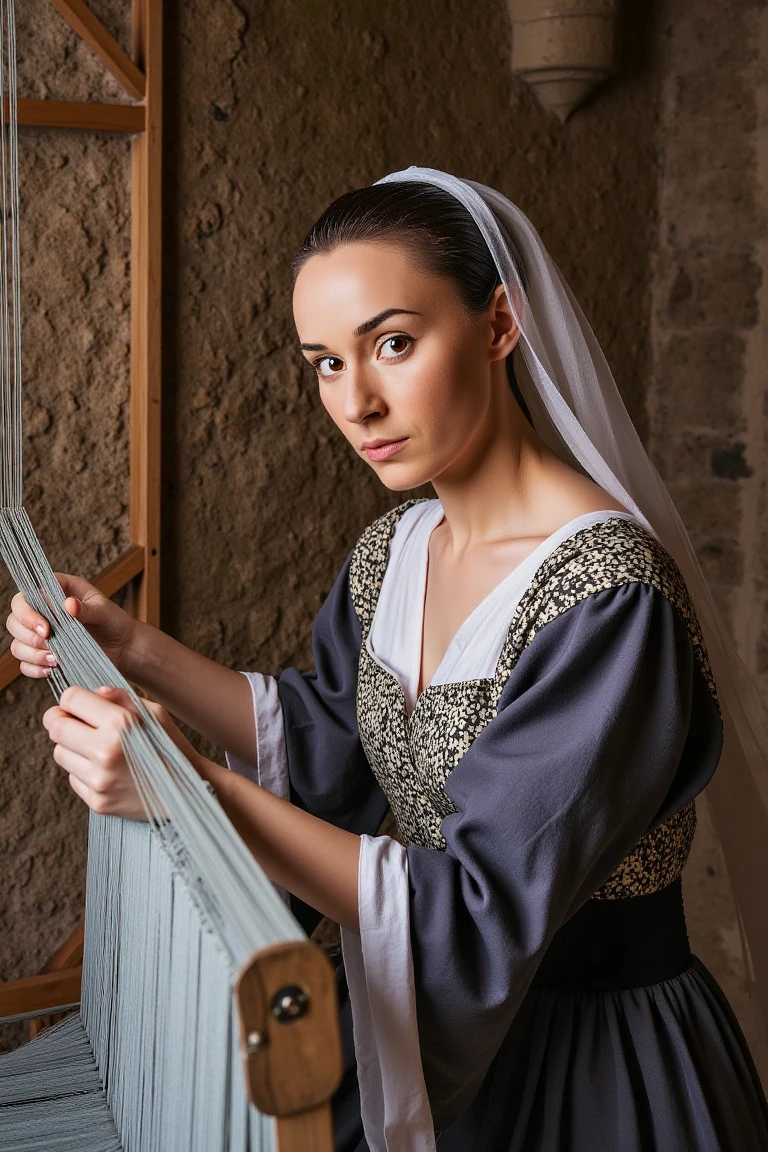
<point x="368" y="326"/>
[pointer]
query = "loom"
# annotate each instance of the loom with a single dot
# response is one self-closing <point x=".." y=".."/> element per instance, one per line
<point x="207" y="1020"/>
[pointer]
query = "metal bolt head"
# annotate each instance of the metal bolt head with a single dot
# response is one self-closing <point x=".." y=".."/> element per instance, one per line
<point x="289" y="1003"/>
<point x="254" y="1041"/>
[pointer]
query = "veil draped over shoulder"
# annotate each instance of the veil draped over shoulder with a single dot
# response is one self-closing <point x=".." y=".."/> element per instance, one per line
<point x="577" y="410"/>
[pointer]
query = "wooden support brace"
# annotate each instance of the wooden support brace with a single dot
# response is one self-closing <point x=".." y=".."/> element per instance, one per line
<point x="146" y="248"/>
<point x="125" y="118"/>
<point x="289" y="1036"/>
<point x="40" y="993"/>
<point x="79" y="16"/>
<point x="68" y="955"/>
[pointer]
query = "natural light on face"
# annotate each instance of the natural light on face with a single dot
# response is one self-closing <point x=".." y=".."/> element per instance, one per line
<point x="396" y="358"/>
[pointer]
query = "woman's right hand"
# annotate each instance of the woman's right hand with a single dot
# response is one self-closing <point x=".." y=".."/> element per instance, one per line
<point x="110" y="626"/>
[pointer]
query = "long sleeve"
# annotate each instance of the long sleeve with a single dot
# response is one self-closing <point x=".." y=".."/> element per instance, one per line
<point x="307" y="739"/>
<point x="327" y="768"/>
<point x="592" y="745"/>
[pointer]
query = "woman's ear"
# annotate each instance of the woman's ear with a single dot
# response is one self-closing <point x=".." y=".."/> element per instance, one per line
<point x="504" y="330"/>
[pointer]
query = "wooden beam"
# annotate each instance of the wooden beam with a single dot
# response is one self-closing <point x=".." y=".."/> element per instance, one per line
<point x="69" y="955"/>
<point x="116" y="575"/>
<point x="146" y="241"/>
<point x="127" y="118"/>
<point x="9" y="669"/>
<point x="111" y="579"/>
<point x="310" y="1131"/>
<point x="79" y="16"/>
<point x="40" y="993"/>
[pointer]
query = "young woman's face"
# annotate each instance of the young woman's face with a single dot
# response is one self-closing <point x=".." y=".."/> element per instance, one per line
<point x="397" y="360"/>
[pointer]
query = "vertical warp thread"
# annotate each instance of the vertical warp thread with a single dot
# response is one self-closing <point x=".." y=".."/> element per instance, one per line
<point x="174" y="904"/>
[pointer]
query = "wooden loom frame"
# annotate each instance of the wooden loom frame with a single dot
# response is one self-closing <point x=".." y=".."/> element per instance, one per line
<point x="293" y="1069"/>
<point x="139" y="564"/>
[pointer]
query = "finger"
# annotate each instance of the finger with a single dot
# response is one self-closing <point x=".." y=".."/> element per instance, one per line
<point x="79" y="609"/>
<point x="33" y="671"/>
<point x="78" y="766"/>
<point x="53" y="716"/>
<point x="93" y="743"/>
<point x="41" y="656"/>
<point x="93" y="708"/>
<point x="121" y="697"/>
<point x="79" y="596"/>
<point x="74" y="586"/>
<point x="50" y="715"/>
<point x="73" y="606"/>
<point x="28" y="617"/>
<point x="82" y="790"/>
<point x="26" y="635"/>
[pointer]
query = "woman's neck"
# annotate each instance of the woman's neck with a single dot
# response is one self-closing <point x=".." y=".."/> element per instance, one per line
<point x="510" y="484"/>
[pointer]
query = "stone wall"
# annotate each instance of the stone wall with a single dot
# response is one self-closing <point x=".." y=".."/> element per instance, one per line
<point x="707" y="391"/>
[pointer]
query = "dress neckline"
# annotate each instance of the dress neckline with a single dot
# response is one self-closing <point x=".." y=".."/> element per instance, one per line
<point x="527" y="565"/>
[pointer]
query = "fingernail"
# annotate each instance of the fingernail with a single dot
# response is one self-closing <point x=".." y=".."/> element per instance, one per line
<point x="40" y="629"/>
<point x="50" y="658"/>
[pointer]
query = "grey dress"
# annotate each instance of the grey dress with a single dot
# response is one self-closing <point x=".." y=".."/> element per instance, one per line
<point x="545" y="816"/>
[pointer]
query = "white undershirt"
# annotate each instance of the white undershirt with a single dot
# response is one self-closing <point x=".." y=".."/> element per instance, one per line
<point x="395" y="637"/>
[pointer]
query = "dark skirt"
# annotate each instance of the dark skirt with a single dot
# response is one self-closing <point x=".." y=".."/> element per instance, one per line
<point x="625" y="1042"/>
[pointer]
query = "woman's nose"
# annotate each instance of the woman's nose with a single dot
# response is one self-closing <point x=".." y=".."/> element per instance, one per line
<point x="361" y="397"/>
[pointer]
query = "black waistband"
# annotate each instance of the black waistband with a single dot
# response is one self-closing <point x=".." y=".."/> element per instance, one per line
<point x="613" y="944"/>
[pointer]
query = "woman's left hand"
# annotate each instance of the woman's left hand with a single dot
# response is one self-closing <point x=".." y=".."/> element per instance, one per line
<point x="85" y="728"/>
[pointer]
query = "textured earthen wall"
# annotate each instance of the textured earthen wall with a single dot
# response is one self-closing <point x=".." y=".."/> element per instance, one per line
<point x="288" y="106"/>
<point x="74" y="254"/>
<point x="707" y="392"/>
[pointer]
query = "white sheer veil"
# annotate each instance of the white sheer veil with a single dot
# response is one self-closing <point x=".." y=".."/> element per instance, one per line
<point x="577" y="410"/>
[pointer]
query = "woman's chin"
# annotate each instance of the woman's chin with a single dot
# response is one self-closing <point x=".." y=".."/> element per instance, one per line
<point x="401" y="479"/>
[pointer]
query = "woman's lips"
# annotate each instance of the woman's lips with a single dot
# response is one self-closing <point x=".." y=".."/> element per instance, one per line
<point x="384" y="451"/>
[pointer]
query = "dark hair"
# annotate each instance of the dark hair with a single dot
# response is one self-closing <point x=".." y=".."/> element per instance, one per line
<point x="433" y="225"/>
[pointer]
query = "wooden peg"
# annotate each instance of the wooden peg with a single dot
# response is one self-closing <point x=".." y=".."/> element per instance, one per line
<point x="289" y="1028"/>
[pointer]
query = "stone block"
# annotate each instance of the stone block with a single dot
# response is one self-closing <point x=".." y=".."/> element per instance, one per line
<point x="698" y="456"/>
<point x="710" y="509"/>
<point x="723" y="95"/>
<point x="728" y="462"/>
<point x="724" y="596"/>
<point x="761" y="560"/>
<point x="716" y="185"/>
<point x="695" y="375"/>
<point x="714" y="291"/>
<point x="762" y="641"/>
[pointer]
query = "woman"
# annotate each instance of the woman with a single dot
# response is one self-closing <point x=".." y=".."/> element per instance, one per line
<point x="516" y="671"/>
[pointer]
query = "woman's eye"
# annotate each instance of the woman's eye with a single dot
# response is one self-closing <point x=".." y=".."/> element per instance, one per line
<point x="329" y="360"/>
<point x="397" y="345"/>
